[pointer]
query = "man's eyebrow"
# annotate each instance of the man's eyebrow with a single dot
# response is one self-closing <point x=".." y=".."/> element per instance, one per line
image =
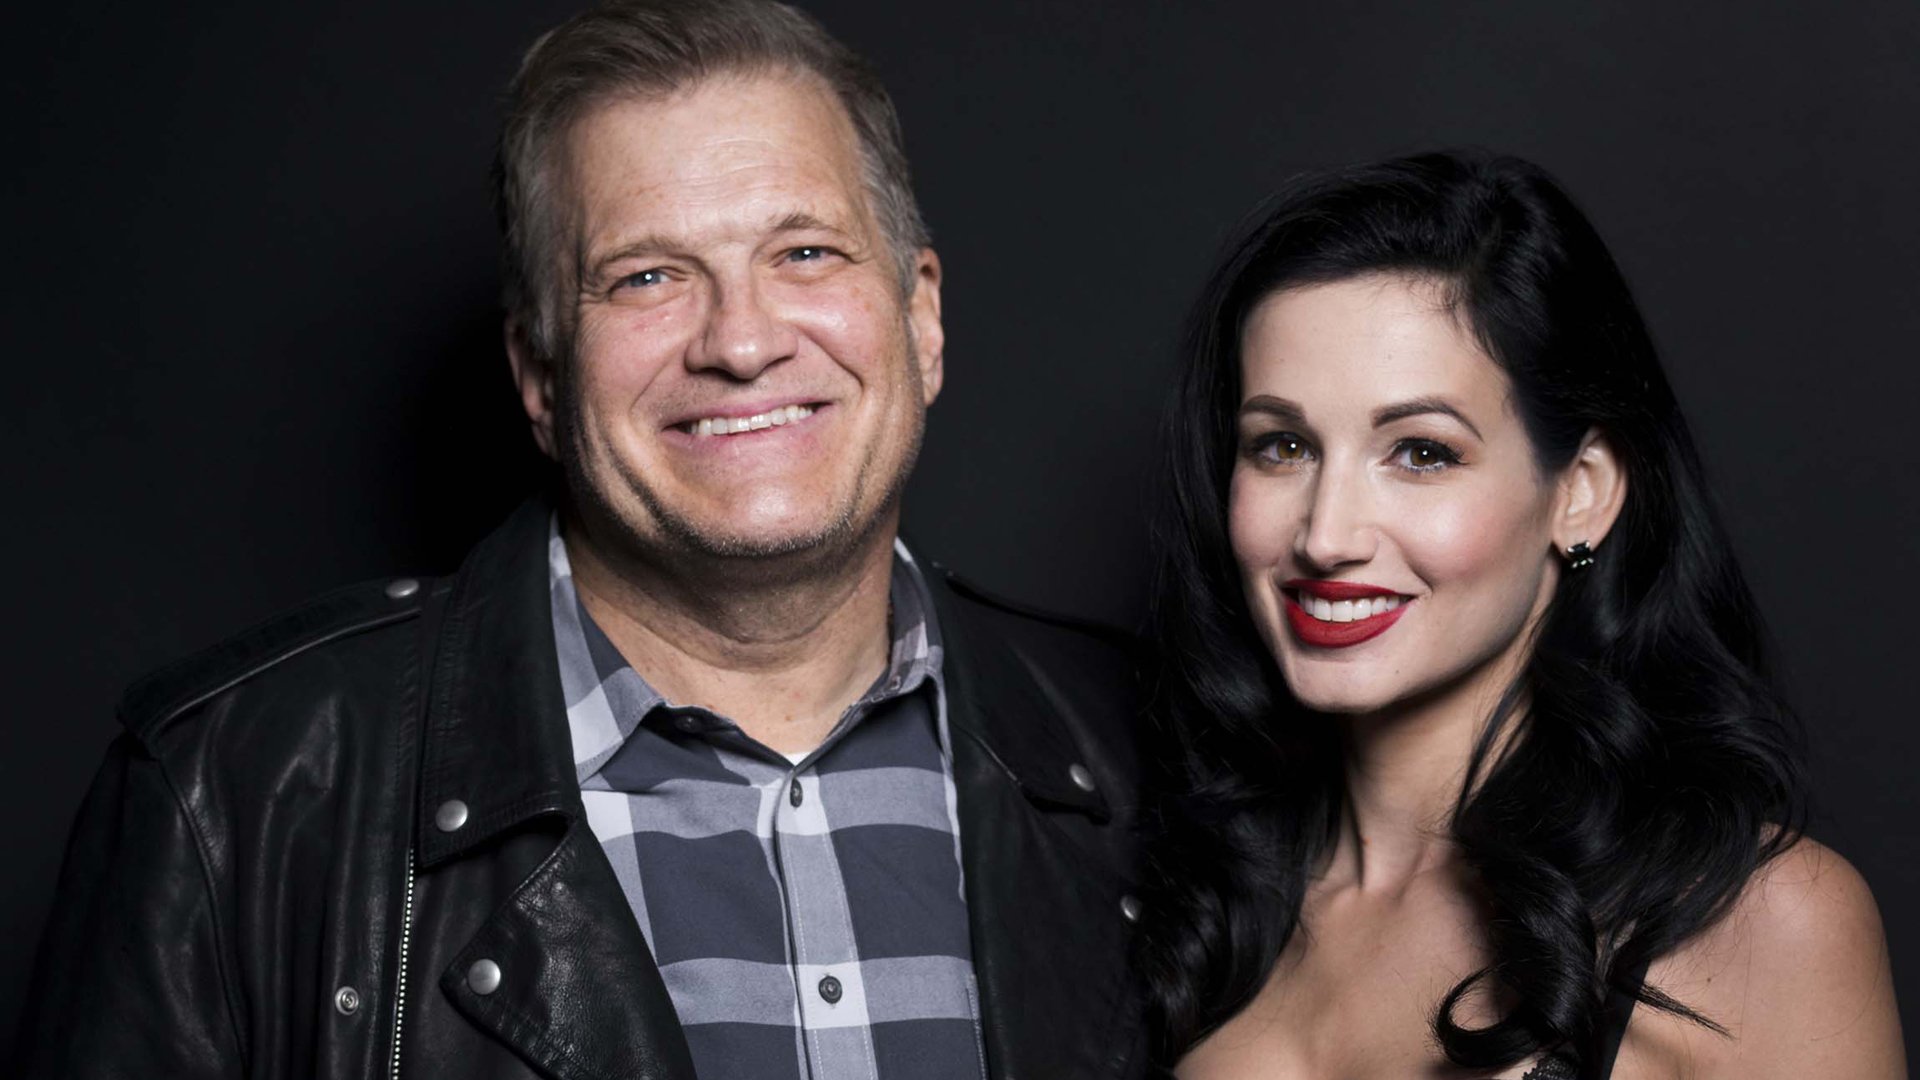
<point x="659" y="244"/>
<point x="639" y="247"/>
<point x="1277" y="407"/>
<point x="1422" y="406"/>
<point x="801" y="221"/>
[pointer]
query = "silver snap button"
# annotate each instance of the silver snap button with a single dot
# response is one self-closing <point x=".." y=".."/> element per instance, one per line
<point x="794" y="794"/>
<point x="483" y="977"/>
<point x="1081" y="778"/>
<point x="451" y="815"/>
<point x="401" y="588"/>
<point x="1130" y="908"/>
<point x="830" y="989"/>
<point x="346" y="1000"/>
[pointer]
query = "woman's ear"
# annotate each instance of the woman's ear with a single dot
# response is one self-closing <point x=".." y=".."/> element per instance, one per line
<point x="1592" y="489"/>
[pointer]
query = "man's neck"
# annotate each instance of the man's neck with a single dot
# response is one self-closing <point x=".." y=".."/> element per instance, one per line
<point x="782" y="655"/>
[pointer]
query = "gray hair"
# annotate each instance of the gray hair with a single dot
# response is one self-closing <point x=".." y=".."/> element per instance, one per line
<point x="656" y="47"/>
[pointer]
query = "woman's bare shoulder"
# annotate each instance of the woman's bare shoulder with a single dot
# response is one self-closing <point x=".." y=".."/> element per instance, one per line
<point x="1797" y="973"/>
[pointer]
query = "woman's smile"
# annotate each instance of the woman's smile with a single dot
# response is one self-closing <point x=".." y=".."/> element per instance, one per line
<point x="1336" y="614"/>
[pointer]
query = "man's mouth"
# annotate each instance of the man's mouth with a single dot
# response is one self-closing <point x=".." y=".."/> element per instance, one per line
<point x="735" y="425"/>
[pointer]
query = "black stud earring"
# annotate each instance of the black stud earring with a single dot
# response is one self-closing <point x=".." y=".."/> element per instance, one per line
<point x="1579" y="556"/>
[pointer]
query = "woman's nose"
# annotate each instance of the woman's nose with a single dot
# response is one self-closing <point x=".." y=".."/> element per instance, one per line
<point x="1339" y="528"/>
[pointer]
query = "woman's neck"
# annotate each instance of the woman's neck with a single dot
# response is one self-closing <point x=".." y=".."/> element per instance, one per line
<point x="1405" y="767"/>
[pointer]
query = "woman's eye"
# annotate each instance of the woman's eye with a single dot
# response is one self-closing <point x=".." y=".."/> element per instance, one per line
<point x="1282" y="448"/>
<point x="1425" y="455"/>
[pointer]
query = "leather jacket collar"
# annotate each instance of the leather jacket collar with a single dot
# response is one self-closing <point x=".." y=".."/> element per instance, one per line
<point x="495" y="734"/>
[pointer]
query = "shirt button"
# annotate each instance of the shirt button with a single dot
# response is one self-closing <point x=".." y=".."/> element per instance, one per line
<point x="830" y="989"/>
<point x="794" y="794"/>
<point x="451" y="815"/>
<point x="1081" y="777"/>
<point x="688" y="723"/>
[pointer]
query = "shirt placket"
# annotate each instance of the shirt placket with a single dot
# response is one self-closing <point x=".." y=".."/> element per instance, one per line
<point x="825" y="957"/>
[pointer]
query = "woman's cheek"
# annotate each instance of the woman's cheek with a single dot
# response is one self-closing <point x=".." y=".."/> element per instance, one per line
<point x="1449" y="540"/>
<point x="1258" y="523"/>
<point x="1260" y="528"/>
<point x="1466" y="532"/>
<point x="1480" y="558"/>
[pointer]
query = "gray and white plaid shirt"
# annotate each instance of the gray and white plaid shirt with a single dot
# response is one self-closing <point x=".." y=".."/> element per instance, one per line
<point x="809" y="918"/>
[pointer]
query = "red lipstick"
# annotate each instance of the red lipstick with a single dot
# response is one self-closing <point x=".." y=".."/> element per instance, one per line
<point x="1320" y="634"/>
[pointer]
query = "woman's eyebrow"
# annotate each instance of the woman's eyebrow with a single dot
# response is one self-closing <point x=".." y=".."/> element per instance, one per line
<point x="1280" y="408"/>
<point x="1422" y="406"/>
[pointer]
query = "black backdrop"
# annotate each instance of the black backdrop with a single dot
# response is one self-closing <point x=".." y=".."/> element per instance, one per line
<point x="253" y="350"/>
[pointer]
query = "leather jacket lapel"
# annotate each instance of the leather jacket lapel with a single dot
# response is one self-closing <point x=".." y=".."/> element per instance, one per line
<point x="578" y="993"/>
<point x="571" y="988"/>
<point x="1050" y="946"/>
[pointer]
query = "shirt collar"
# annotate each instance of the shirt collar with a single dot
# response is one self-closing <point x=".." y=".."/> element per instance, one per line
<point x="607" y="700"/>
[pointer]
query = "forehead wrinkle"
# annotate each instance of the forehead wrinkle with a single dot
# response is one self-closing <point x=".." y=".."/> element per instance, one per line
<point x="699" y="206"/>
<point x="687" y="222"/>
<point x="573" y="152"/>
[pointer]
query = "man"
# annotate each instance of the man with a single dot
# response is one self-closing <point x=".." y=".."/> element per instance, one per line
<point x="694" y="769"/>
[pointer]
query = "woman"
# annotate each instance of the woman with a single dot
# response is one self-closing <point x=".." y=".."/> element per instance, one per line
<point x="1473" y="743"/>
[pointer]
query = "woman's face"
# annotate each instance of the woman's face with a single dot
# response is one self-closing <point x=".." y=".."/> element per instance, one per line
<point x="1392" y="528"/>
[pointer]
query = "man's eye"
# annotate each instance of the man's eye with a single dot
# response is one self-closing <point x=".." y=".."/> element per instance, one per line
<point x="643" y="279"/>
<point x="807" y="254"/>
<point x="1425" y="455"/>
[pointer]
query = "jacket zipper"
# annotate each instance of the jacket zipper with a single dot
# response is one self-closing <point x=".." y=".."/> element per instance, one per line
<point x="400" y="984"/>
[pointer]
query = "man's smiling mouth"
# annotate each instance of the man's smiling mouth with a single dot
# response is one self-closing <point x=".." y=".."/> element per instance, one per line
<point x="734" y="425"/>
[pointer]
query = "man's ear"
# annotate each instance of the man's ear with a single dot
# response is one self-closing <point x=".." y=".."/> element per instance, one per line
<point x="1592" y="490"/>
<point x="923" y="313"/>
<point x="533" y="375"/>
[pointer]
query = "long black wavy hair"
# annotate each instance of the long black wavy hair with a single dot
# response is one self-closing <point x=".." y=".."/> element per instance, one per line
<point x="1654" y="766"/>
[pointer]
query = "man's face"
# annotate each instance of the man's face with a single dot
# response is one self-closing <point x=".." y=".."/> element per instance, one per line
<point x="745" y="377"/>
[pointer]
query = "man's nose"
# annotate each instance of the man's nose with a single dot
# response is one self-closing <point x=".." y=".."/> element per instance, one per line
<point x="1339" y="529"/>
<point x="742" y="335"/>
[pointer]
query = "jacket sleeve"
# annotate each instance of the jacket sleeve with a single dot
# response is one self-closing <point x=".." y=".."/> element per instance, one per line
<point x="128" y="981"/>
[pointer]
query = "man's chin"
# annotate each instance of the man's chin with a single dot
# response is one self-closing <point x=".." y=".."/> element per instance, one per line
<point x="776" y="529"/>
<point x="754" y="544"/>
<point x="780" y="540"/>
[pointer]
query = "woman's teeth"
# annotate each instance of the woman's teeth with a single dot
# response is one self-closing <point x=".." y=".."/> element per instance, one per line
<point x="1347" y="610"/>
<point x="733" y="425"/>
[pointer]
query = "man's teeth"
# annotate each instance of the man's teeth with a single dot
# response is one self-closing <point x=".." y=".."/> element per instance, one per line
<point x="1347" y="610"/>
<point x="733" y="425"/>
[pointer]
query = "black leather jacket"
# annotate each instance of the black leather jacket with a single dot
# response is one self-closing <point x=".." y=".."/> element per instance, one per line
<point x="257" y="886"/>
